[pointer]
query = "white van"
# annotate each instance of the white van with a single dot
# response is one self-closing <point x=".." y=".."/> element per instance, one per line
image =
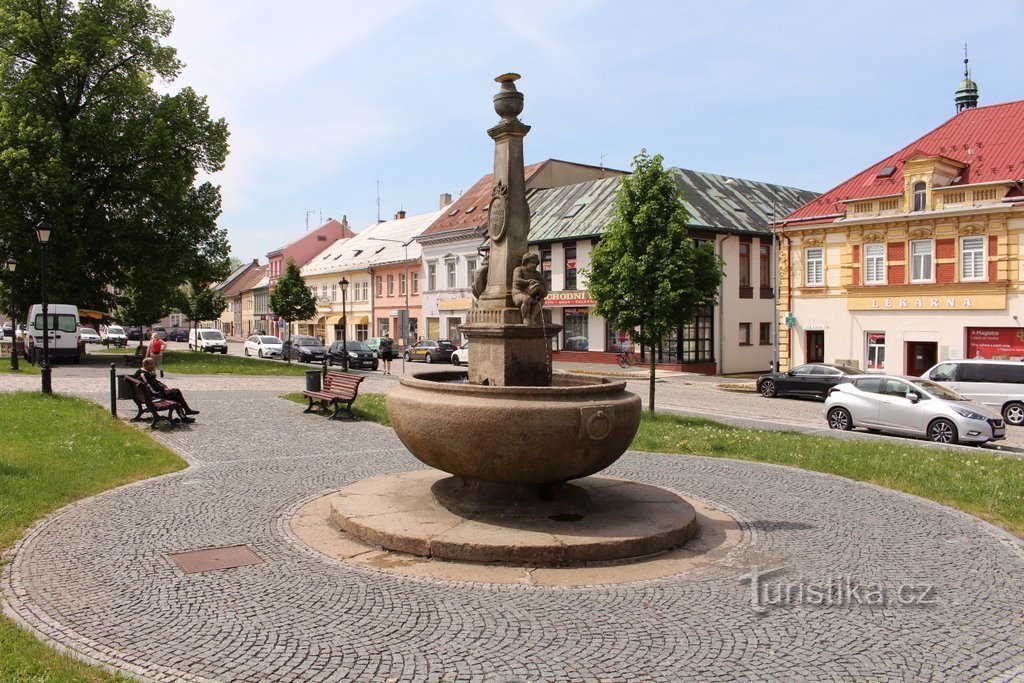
<point x="61" y="328"/>
<point x="996" y="383"/>
<point x="203" y="339"/>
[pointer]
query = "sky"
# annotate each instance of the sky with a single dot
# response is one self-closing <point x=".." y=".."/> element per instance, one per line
<point x="334" y="105"/>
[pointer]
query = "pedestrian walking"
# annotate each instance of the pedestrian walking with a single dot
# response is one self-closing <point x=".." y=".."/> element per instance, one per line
<point x="155" y="350"/>
<point x="387" y="352"/>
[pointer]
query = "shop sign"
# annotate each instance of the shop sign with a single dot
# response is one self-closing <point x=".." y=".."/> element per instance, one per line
<point x="993" y="342"/>
<point x="569" y="297"/>
<point x="943" y="302"/>
<point x="454" y="304"/>
<point x="814" y="327"/>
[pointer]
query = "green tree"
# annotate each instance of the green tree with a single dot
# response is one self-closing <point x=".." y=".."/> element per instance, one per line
<point x="291" y="299"/>
<point x="199" y="302"/>
<point x="89" y="145"/>
<point x="646" y="274"/>
<point x="143" y="306"/>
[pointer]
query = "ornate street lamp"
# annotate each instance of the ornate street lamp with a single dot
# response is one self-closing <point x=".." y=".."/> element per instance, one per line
<point x="43" y="230"/>
<point x="11" y="265"/>
<point x="344" y="323"/>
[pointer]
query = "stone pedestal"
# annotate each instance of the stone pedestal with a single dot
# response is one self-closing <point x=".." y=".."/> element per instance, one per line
<point x="508" y="352"/>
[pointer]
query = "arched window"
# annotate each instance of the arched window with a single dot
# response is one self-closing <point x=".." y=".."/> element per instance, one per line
<point x="920" y="193"/>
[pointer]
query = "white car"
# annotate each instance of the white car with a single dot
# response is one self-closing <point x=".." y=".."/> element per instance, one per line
<point x="911" y="406"/>
<point x="461" y="355"/>
<point x="114" y="335"/>
<point x="89" y="336"/>
<point x="263" y="346"/>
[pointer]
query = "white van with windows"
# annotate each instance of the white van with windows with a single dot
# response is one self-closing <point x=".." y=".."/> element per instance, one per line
<point x="206" y="339"/>
<point x="62" y="323"/>
<point x="996" y="383"/>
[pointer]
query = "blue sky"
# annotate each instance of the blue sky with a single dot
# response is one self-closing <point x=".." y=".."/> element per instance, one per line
<point x="324" y="98"/>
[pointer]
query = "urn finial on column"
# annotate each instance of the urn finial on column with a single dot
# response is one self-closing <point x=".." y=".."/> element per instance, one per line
<point x="508" y="103"/>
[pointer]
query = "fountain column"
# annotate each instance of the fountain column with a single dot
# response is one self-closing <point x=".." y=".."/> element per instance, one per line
<point x="497" y="320"/>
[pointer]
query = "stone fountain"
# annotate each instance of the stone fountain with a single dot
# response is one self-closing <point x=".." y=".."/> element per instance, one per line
<point x="518" y="441"/>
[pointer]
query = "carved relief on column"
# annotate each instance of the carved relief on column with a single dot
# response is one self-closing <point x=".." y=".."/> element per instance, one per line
<point x="497" y="221"/>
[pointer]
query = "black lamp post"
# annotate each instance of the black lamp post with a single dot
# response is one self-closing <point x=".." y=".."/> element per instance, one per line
<point x="344" y="323"/>
<point x="43" y="230"/>
<point x="11" y="265"/>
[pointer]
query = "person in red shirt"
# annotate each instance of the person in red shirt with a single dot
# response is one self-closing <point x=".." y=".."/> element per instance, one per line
<point x="156" y="352"/>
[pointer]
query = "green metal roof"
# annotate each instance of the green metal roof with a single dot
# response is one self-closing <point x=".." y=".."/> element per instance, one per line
<point x="555" y="216"/>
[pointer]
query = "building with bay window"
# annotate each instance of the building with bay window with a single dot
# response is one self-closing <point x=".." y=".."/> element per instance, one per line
<point x="917" y="258"/>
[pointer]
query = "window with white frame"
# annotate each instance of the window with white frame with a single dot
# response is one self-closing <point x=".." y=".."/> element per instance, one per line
<point x="874" y="264"/>
<point x="972" y="258"/>
<point x="470" y="267"/>
<point x="451" y="275"/>
<point x="876" y="350"/>
<point x="814" y="266"/>
<point x="431" y="276"/>
<point x="921" y="261"/>
<point x="920" y="196"/>
<point x="415" y="283"/>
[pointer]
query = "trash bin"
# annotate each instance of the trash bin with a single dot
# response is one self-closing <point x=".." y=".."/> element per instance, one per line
<point x="124" y="389"/>
<point x="313" y="379"/>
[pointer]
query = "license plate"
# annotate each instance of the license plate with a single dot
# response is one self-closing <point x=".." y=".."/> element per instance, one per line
<point x="998" y="431"/>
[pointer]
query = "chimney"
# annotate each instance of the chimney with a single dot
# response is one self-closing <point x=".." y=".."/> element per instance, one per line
<point x="400" y="215"/>
<point x="446" y="199"/>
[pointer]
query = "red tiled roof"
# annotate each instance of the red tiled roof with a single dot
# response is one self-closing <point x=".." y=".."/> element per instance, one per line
<point x="245" y="282"/>
<point x="478" y="196"/>
<point x="989" y="140"/>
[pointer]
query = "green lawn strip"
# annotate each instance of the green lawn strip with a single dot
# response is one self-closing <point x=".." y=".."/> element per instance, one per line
<point x="982" y="484"/>
<point x="369" y="407"/>
<point x="56" y="450"/>
<point x="24" y="367"/>
<point x="200" y="363"/>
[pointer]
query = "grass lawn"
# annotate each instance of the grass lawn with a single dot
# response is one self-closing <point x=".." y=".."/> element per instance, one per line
<point x="200" y="363"/>
<point x="55" y="450"/>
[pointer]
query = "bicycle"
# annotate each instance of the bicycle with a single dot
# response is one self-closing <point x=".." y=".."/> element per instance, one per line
<point x="627" y="359"/>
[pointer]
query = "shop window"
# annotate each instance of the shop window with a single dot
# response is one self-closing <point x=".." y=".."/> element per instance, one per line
<point x="921" y="261"/>
<point x="814" y="262"/>
<point x="920" y="195"/>
<point x="383" y="326"/>
<point x="765" y="334"/>
<point x="570" y="267"/>
<point x="972" y="258"/>
<point x="874" y="264"/>
<point x="876" y="350"/>
<point x="618" y="341"/>
<point x="545" y="266"/>
<point x="362" y="332"/>
<point x="575" y="322"/>
<point x="744" y="334"/>
<point x="698" y="338"/>
<point x="433" y="328"/>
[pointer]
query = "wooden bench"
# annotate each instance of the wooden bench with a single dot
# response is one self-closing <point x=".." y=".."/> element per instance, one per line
<point x="134" y="359"/>
<point x="146" y="402"/>
<point x="338" y="388"/>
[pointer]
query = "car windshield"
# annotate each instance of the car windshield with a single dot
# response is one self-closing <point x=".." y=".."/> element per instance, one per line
<point x="270" y="340"/>
<point x="212" y="334"/>
<point x="937" y="390"/>
<point x="356" y="346"/>
<point x="115" y="330"/>
<point x="305" y="341"/>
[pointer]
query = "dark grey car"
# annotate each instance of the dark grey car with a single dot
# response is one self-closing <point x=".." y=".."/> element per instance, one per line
<point x="359" y="355"/>
<point x="304" y="349"/>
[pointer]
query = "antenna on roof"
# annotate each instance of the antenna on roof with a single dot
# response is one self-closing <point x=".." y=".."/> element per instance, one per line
<point x="309" y="211"/>
<point x="602" y="164"/>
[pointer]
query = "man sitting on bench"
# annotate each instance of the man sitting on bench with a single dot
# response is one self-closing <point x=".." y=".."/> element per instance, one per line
<point x="148" y="375"/>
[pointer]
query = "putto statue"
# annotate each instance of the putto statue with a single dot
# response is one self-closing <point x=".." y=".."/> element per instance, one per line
<point x="529" y="289"/>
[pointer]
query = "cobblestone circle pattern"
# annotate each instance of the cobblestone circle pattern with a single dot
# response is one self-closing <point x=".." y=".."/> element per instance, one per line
<point x="95" y="578"/>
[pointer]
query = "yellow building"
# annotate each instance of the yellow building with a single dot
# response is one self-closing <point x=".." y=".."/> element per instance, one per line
<point x="917" y="258"/>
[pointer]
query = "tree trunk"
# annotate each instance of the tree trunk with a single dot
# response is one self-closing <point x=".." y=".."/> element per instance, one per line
<point x="650" y="393"/>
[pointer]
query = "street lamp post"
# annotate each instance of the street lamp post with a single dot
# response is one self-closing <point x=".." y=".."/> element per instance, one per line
<point x="408" y="284"/>
<point x="43" y="230"/>
<point x="11" y="265"/>
<point x="344" y="323"/>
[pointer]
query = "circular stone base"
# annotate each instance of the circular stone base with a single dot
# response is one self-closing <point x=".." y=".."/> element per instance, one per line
<point x="626" y="520"/>
<point x="468" y="498"/>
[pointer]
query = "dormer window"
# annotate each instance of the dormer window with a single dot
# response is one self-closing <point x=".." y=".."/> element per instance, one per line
<point x="920" y="195"/>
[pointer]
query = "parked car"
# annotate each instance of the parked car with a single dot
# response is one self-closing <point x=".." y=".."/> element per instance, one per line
<point x="207" y="339"/>
<point x="114" y="335"/>
<point x="160" y="331"/>
<point x="911" y="406"/>
<point x="999" y="384"/>
<point x="7" y="329"/>
<point x="374" y="345"/>
<point x="430" y="351"/>
<point x="263" y="346"/>
<point x="177" y="334"/>
<point x="304" y="349"/>
<point x="461" y="355"/>
<point x="89" y="336"/>
<point x="811" y="380"/>
<point x="359" y="355"/>
<point x="134" y="334"/>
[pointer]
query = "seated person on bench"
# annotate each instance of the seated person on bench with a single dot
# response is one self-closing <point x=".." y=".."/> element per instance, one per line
<point x="148" y="375"/>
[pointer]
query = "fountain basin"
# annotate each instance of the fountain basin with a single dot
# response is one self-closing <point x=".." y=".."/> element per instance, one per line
<point x="514" y="435"/>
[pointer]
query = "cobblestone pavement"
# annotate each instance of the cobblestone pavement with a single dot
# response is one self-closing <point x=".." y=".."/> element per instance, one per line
<point x="858" y="582"/>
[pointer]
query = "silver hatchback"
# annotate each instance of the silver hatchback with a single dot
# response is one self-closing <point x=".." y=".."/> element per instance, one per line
<point x="911" y="406"/>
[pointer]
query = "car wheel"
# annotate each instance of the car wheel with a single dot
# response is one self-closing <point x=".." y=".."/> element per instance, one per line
<point x="224" y="351"/>
<point x="839" y="418"/>
<point x="408" y="358"/>
<point x="428" y="358"/>
<point x="260" y="353"/>
<point x="942" y="431"/>
<point x="245" y="351"/>
<point x="1013" y="413"/>
<point x="455" y="361"/>
<point x="768" y="389"/>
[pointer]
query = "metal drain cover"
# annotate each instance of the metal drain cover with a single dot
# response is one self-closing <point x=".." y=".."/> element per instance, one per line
<point x="215" y="558"/>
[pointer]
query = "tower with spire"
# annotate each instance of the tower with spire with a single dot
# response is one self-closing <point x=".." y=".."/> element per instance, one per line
<point x="967" y="90"/>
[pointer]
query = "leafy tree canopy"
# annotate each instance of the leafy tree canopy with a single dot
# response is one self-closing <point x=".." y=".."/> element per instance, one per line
<point x="290" y="298"/>
<point x="89" y="145"/>
<point x="646" y="275"/>
<point x="199" y="302"/>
